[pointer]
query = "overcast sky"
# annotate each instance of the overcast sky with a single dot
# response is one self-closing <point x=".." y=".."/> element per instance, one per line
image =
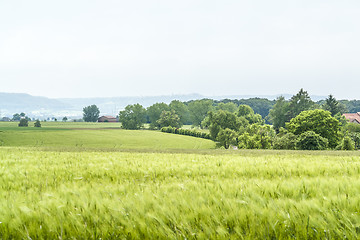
<point x="93" y="48"/>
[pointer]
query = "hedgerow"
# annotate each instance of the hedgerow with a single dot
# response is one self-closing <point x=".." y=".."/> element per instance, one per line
<point x="188" y="132"/>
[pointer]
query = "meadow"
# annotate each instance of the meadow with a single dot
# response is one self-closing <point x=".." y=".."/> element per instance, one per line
<point x="106" y="136"/>
<point x="86" y="192"/>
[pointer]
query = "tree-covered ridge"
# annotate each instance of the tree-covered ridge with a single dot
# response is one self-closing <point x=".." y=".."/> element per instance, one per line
<point x="297" y="123"/>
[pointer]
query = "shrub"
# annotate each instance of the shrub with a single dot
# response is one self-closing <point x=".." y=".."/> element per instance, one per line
<point x="346" y="144"/>
<point x="356" y="138"/>
<point x="37" y="123"/>
<point x="23" y="122"/>
<point x="287" y="141"/>
<point x="311" y="141"/>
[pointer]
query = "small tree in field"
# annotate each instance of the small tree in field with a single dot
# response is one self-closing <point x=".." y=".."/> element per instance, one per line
<point x="133" y="117"/>
<point x="64" y="119"/>
<point x="37" y="123"/>
<point x="91" y="113"/>
<point x="23" y="122"/>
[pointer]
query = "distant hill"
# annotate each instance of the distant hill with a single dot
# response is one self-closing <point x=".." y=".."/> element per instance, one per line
<point x="43" y="107"/>
<point x="33" y="106"/>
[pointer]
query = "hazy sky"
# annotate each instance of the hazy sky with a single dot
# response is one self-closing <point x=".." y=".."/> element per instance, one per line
<point x="86" y="48"/>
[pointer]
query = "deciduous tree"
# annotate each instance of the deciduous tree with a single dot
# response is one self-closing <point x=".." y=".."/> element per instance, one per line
<point x="169" y="118"/>
<point x="298" y="103"/>
<point x="319" y="121"/>
<point x="133" y="117"/>
<point x="91" y="113"/>
<point x="277" y="115"/>
<point x="154" y="111"/>
<point x="198" y="110"/>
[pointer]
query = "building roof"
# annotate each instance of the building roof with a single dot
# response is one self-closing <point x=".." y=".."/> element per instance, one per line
<point x="107" y="117"/>
<point x="352" y="117"/>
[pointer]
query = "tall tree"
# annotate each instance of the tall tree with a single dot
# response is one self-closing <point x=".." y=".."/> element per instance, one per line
<point x="154" y="112"/>
<point x="181" y="110"/>
<point x="198" y="110"/>
<point x="133" y="117"/>
<point x="333" y="106"/>
<point x="91" y="113"/>
<point x="277" y="115"/>
<point x="298" y="103"/>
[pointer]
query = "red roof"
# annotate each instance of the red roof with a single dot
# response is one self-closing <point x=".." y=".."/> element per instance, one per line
<point x="352" y="117"/>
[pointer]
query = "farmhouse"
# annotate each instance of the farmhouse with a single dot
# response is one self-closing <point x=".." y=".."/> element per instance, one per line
<point x="352" y="117"/>
<point x="107" y="119"/>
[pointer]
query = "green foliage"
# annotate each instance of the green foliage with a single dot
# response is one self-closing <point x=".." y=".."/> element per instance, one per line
<point x="64" y="119"/>
<point x="256" y="136"/>
<point x="277" y="115"/>
<point x="352" y="106"/>
<point x="169" y="118"/>
<point x="18" y="117"/>
<point x="153" y="113"/>
<point x="311" y="141"/>
<point x="259" y="105"/>
<point x="193" y="133"/>
<point x="342" y="120"/>
<point x="318" y="121"/>
<point x="229" y="107"/>
<point x="91" y="113"/>
<point x="23" y="122"/>
<point x="286" y="141"/>
<point x="198" y="110"/>
<point x="220" y="120"/>
<point x="246" y="113"/>
<point x="227" y="137"/>
<point x="346" y="144"/>
<point x="353" y="127"/>
<point x="333" y="106"/>
<point x="245" y="110"/>
<point x="181" y="110"/>
<point x="298" y="103"/>
<point x="37" y="123"/>
<point x="356" y="138"/>
<point x="133" y="117"/>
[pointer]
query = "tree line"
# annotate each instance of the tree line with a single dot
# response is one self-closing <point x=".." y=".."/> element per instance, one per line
<point x="297" y="123"/>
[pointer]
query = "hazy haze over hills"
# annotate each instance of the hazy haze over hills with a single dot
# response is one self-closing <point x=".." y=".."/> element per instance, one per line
<point x="43" y="107"/>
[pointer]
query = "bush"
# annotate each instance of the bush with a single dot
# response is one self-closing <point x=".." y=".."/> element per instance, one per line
<point x="23" y="122"/>
<point x="287" y="141"/>
<point x="187" y="132"/>
<point x="311" y="141"/>
<point x="346" y="144"/>
<point x="356" y="138"/>
<point x="37" y="123"/>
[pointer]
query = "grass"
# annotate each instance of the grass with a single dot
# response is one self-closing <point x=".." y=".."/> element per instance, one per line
<point x="80" y="182"/>
<point x="95" y="135"/>
<point x="93" y="195"/>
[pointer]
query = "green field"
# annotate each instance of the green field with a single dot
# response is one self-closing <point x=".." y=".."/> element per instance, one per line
<point x="105" y="136"/>
<point x="89" y="191"/>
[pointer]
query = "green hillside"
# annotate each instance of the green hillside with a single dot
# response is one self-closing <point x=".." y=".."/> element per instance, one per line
<point x="96" y="135"/>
